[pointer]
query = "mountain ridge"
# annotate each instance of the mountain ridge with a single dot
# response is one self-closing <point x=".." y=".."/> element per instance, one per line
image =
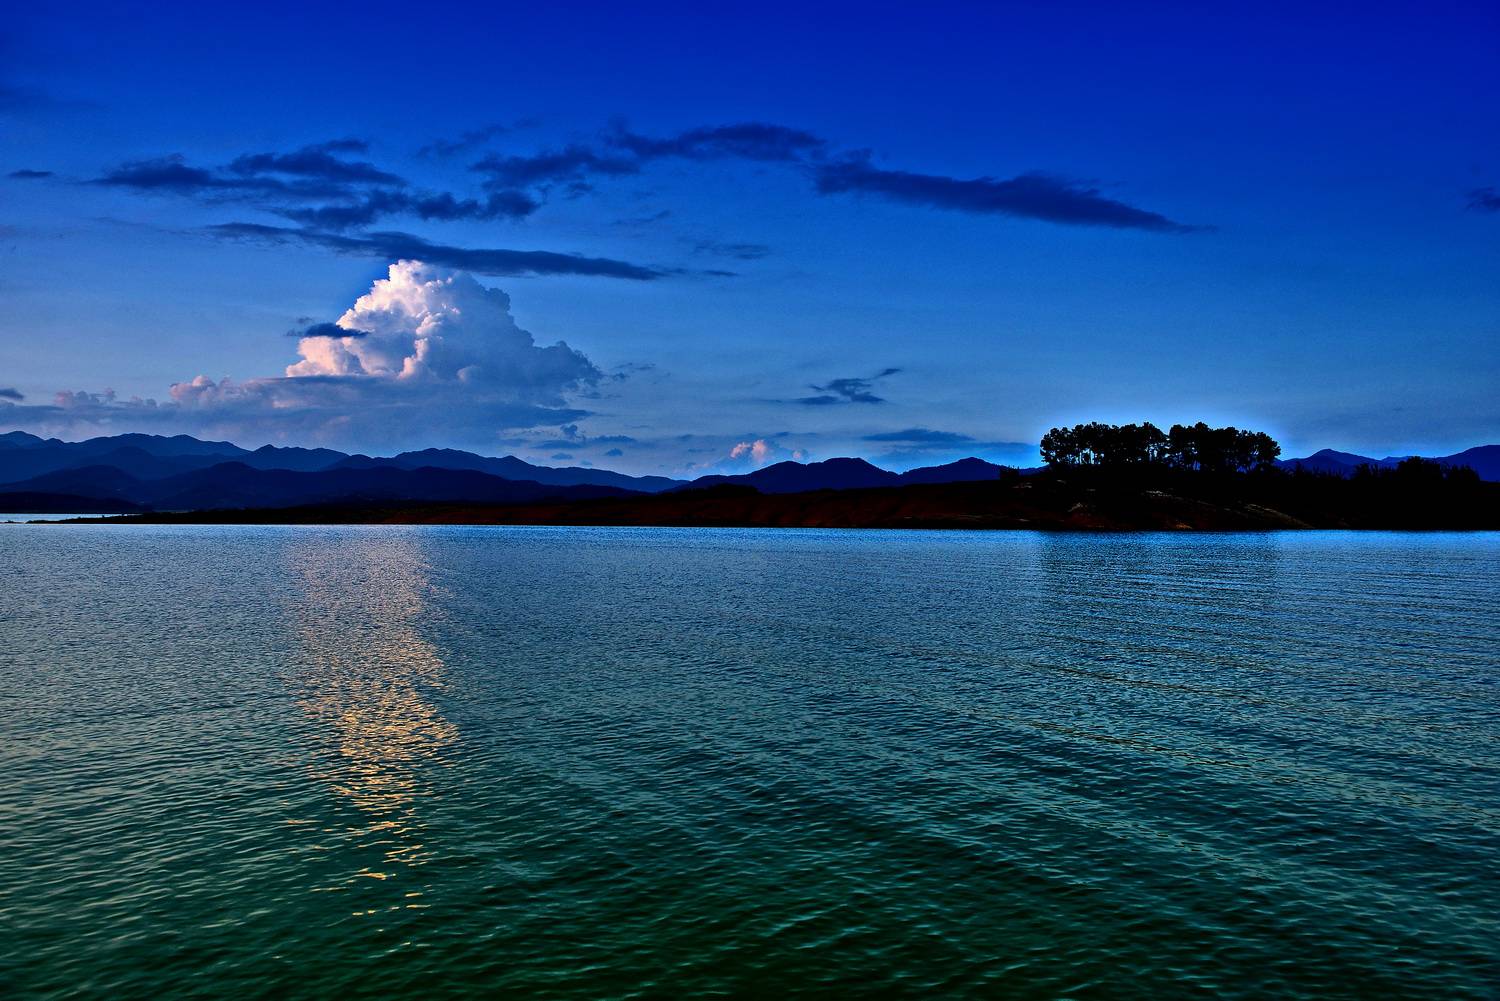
<point x="1483" y="459"/>
<point x="155" y="472"/>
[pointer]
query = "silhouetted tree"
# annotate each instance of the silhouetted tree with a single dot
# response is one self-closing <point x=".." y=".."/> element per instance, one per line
<point x="1202" y="447"/>
<point x="1417" y="471"/>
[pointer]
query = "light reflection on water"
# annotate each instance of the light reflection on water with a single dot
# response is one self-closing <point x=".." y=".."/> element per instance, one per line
<point x="364" y="675"/>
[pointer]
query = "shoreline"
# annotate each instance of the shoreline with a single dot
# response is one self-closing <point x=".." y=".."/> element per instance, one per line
<point x="1066" y="504"/>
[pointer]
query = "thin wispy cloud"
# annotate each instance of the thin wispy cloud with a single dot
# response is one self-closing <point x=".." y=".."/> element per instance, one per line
<point x="316" y="185"/>
<point x="744" y="140"/>
<point x="915" y="446"/>
<point x="366" y="209"/>
<point x="920" y="436"/>
<point x="1485" y="200"/>
<point x="317" y="161"/>
<point x="393" y="246"/>
<point x="1031" y="195"/>
<point x="736" y="251"/>
<point x="847" y="390"/>
<point x="572" y="163"/>
<point x="1028" y="196"/>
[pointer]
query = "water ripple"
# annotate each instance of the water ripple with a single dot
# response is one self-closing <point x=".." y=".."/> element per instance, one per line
<point x="304" y="762"/>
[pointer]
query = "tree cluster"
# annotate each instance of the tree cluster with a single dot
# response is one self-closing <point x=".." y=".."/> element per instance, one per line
<point x="1419" y="472"/>
<point x="1199" y="446"/>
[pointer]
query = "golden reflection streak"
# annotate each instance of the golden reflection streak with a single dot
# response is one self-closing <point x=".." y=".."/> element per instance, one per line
<point x="361" y="678"/>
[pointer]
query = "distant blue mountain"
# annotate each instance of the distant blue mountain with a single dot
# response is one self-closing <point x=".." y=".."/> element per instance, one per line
<point x="146" y="457"/>
<point x="23" y="456"/>
<point x="1483" y="459"/>
<point x="238" y="485"/>
<point x="846" y="474"/>
<point x="298" y="459"/>
<point x="512" y="468"/>
<point x="798" y="477"/>
<point x="963" y="471"/>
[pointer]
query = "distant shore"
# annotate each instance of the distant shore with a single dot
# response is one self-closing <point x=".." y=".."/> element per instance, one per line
<point x="1075" y="502"/>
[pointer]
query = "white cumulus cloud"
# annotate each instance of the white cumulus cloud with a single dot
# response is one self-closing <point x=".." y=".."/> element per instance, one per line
<point x="425" y="323"/>
<point x="749" y="454"/>
<point x="430" y="354"/>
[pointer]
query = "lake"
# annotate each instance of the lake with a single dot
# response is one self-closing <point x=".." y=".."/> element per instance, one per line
<point x="311" y="762"/>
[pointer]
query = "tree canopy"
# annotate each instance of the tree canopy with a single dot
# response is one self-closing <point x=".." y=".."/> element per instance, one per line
<point x="1199" y="446"/>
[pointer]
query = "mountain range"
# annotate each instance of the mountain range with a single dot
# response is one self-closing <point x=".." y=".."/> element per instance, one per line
<point x="142" y="472"/>
<point x="1483" y="459"/>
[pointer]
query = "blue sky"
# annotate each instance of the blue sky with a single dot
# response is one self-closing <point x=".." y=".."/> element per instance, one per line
<point x="906" y="233"/>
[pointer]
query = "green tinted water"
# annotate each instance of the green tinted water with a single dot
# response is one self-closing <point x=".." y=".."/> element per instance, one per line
<point x="422" y="762"/>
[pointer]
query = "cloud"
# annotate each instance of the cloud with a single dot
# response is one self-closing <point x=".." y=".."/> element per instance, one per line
<point x="570" y="164"/>
<point x="427" y="323"/>
<point x="847" y="390"/>
<point x="425" y="347"/>
<point x="745" y="141"/>
<point x="924" y="436"/>
<point x="315" y="186"/>
<point x="394" y="246"/>
<point x="614" y="453"/>
<point x="7" y="393"/>
<point x="753" y="454"/>
<point x="328" y="330"/>
<point x="1485" y="200"/>
<point x="737" y="251"/>
<point x="921" y="446"/>
<point x="316" y="161"/>
<point x="363" y="210"/>
<point x="29" y="175"/>
<point x="1030" y="196"/>
<point x="172" y="174"/>
<point x="572" y="438"/>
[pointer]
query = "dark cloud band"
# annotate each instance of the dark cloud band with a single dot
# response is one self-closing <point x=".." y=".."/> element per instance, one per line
<point x="1029" y="196"/>
<point x="391" y="246"/>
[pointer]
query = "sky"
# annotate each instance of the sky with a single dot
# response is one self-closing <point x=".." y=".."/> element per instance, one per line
<point x="688" y="238"/>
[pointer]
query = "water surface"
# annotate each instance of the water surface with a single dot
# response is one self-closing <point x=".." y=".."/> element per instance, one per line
<point x="416" y="762"/>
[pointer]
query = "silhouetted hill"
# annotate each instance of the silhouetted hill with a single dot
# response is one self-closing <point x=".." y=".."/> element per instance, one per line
<point x="305" y="460"/>
<point x="86" y="481"/>
<point x="1483" y="459"/>
<point x="1328" y="460"/>
<point x="237" y="485"/>
<point x="1079" y="500"/>
<point x="142" y="455"/>
<point x="962" y="471"/>
<point x="512" y="468"/>
<point x="847" y="474"/>
<point x="20" y="439"/>
<point x="159" y="445"/>
<point x="798" y="477"/>
<point x="26" y="456"/>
